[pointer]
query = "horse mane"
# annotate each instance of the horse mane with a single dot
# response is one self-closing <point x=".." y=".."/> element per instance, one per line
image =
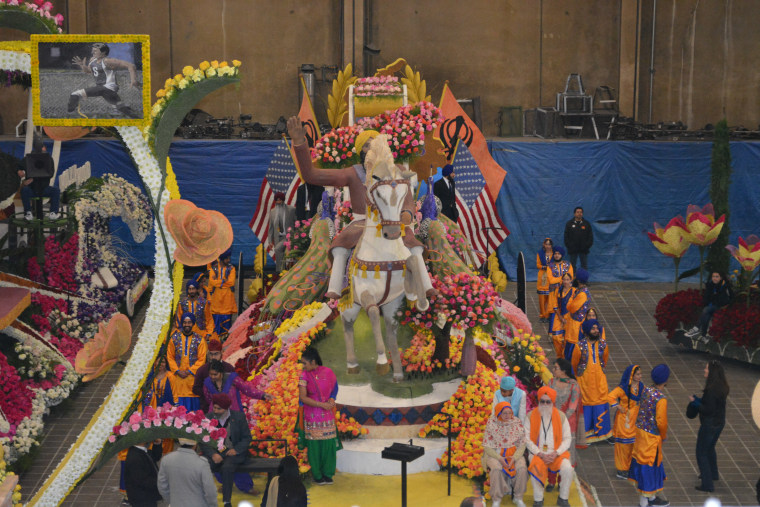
<point x="380" y="159"/>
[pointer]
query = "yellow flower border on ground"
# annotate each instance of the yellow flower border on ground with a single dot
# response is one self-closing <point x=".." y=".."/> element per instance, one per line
<point x="166" y="292"/>
<point x="144" y="40"/>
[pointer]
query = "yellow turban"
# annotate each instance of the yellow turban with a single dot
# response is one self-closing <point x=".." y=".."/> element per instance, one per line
<point x="363" y="137"/>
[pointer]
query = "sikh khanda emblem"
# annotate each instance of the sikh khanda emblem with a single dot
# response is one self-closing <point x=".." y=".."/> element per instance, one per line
<point x="451" y="130"/>
<point x="311" y="132"/>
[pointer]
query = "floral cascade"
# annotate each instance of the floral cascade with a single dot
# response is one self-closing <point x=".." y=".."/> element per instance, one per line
<point x="33" y="379"/>
<point x="190" y="77"/>
<point x="469" y="409"/>
<point x="276" y="418"/>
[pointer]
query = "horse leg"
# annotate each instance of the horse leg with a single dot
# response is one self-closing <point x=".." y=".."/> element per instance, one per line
<point x="424" y="282"/>
<point x="413" y="269"/>
<point x="338" y="271"/>
<point x="373" y="311"/>
<point x="348" y="334"/>
<point x="391" y="326"/>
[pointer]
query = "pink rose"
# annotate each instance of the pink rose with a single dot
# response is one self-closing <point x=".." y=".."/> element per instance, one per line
<point x="112" y="438"/>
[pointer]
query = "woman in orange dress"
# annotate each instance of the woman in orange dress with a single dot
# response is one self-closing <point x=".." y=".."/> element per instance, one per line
<point x="543" y="258"/>
<point x="625" y="397"/>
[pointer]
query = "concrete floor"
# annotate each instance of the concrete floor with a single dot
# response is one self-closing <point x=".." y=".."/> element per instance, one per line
<point x="626" y="310"/>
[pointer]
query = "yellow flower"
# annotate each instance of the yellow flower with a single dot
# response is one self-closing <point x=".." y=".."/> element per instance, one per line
<point x="177" y="78"/>
<point x="168" y="83"/>
<point x="187" y="70"/>
<point x="516" y="369"/>
<point x="183" y="84"/>
<point x="524" y="343"/>
<point x="236" y="63"/>
<point x="214" y="64"/>
<point x="204" y="65"/>
<point x="223" y="64"/>
<point x="160" y="93"/>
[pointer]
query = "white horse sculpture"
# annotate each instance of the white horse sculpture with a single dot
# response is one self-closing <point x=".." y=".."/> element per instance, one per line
<point x="383" y="270"/>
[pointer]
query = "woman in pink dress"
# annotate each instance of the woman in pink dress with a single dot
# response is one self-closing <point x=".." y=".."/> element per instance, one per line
<point x="318" y="389"/>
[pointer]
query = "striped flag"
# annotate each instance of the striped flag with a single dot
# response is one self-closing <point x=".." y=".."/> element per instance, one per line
<point x="478" y="178"/>
<point x="477" y="214"/>
<point x="282" y="176"/>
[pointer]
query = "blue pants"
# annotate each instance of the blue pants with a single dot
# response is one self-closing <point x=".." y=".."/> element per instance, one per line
<point x="706" y="317"/>
<point x="707" y="460"/>
<point x="27" y="194"/>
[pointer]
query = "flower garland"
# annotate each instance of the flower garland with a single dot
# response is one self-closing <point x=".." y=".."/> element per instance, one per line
<point x="405" y="127"/>
<point x="139" y="425"/>
<point x="157" y="321"/>
<point x="300" y="316"/>
<point x="297" y="239"/>
<point x="189" y="77"/>
<point x="377" y="86"/>
<point x="40" y="8"/>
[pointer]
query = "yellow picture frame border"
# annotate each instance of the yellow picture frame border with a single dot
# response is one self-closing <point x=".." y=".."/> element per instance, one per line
<point x="91" y="122"/>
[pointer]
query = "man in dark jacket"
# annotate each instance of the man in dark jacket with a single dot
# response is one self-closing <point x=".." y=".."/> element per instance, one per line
<point x="235" y="452"/>
<point x="141" y="474"/>
<point x="445" y="190"/>
<point x="578" y="239"/>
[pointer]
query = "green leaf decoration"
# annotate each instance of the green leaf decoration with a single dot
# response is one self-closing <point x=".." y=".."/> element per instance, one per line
<point x="177" y="109"/>
<point x="25" y="21"/>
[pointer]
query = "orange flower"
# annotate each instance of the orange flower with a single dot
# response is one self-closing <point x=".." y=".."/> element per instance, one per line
<point x="201" y="235"/>
<point x="109" y="344"/>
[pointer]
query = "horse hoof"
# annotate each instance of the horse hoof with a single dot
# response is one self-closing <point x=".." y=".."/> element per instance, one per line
<point x="332" y="295"/>
<point x="353" y="370"/>
<point x="398" y="378"/>
<point x="382" y="369"/>
<point x="423" y="304"/>
<point x="431" y="293"/>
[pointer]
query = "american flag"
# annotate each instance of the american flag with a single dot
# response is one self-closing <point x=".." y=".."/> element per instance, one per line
<point x="282" y="176"/>
<point x="477" y="214"/>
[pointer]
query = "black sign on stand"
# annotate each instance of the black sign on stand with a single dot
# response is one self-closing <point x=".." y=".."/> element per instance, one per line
<point x="403" y="453"/>
<point x="521" y="283"/>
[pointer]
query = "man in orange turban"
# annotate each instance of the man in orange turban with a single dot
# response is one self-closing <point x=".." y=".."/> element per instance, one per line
<point x="548" y="441"/>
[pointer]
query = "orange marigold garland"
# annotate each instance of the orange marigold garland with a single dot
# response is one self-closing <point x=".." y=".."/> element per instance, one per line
<point x="470" y="408"/>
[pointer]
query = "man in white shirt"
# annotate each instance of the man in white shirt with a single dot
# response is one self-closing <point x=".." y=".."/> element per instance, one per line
<point x="548" y="440"/>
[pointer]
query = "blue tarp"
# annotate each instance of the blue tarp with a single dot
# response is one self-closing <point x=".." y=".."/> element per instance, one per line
<point x="623" y="186"/>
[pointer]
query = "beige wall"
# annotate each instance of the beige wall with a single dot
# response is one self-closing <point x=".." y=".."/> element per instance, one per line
<point x="707" y="62"/>
<point x="508" y="52"/>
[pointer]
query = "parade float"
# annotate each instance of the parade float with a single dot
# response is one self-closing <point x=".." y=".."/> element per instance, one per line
<point x="455" y="347"/>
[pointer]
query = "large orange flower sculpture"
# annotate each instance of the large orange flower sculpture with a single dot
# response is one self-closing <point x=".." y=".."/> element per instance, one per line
<point x="110" y="342"/>
<point x="748" y="253"/>
<point x="670" y="239"/>
<point x="701" y="227"/>
<point x="201" y="235"/>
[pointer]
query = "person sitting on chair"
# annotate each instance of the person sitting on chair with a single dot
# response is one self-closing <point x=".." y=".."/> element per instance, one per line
<point x="38" y="162"/>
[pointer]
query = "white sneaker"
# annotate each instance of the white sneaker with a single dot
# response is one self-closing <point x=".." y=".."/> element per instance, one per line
<point x="692" y="332"/>
<point x="28" y="216"/>
<point x="519" y="503"/>
<point x="496" y="503"/>
<point x="54" y="216"/>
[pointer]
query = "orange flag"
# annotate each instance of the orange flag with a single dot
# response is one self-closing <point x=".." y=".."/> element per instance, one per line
<point x="459" y="126"/>
<point x="308" y="118"/>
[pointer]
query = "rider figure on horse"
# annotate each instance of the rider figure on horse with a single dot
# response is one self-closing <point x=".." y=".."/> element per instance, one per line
<point x="354" y="178"/>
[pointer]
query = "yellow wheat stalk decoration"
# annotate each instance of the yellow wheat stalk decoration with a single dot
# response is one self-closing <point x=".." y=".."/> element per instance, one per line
<point x="337" y="106"/>
<point x="415" y="86"/>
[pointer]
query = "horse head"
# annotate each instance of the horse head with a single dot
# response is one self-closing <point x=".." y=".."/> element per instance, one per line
<point x="387" y="187"/>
